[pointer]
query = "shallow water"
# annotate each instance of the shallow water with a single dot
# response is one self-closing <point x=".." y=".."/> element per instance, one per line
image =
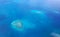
<point x="36" y="22"/>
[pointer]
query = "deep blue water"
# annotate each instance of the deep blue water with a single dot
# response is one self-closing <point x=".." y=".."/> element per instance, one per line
<point x="36" y="24"/>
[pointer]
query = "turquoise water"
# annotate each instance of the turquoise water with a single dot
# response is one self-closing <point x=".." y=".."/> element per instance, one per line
<point x="36" y="22"/>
